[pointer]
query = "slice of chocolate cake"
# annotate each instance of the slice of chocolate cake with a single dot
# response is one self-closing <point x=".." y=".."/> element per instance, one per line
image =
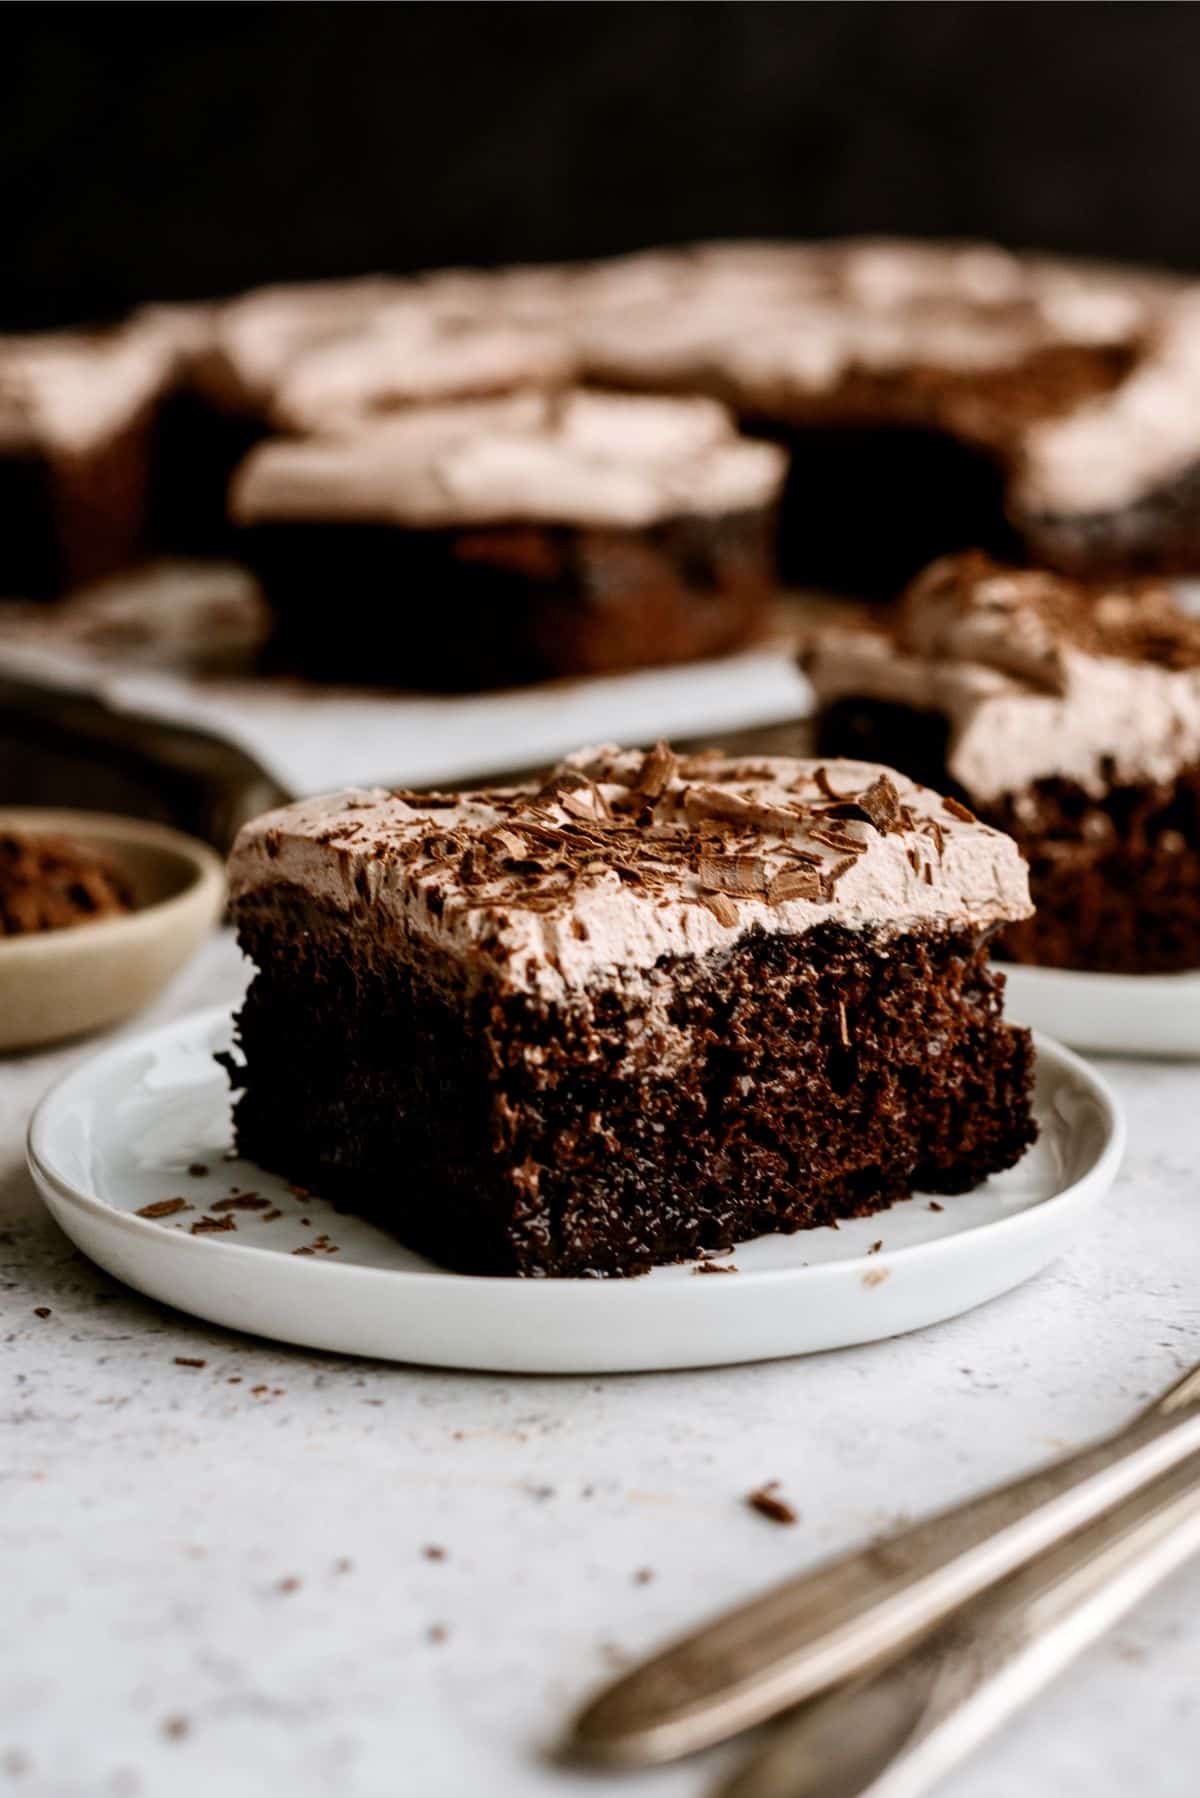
<point x="78" y="417"/>
<point x="1063" y="713"/>
<point x="650" y="1007"/>
<point x="513" y="539"/>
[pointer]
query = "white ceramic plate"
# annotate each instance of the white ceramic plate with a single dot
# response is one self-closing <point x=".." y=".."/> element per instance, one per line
<point x="121" y="1131"/>
<point x="1109" y="1014"/>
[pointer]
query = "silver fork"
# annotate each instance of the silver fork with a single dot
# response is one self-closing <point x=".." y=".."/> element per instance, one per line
<point x="823" y="1627"/>
<point x="895" y="1733"/>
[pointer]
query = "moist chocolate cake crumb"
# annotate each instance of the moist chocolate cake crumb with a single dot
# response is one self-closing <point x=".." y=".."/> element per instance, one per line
<point x="176" y="1727"/>
<point x="189" y="1361"/>
<point x="289" y="1583"/>
<point x="934" y="1206"/>
<point x="163" y="1208"/>
<point x="437" y="1633"/>
<point x="433" y="1552"/>
<point x="42" y="1311"/>
<point x="875" y="1247"/>
<point x="766" y="1502"/>
<point x="715" y="1267"/>
<point x="643" y="1576"/>
<point x="268" y="1217"/>
<point x="197" y="1170"/>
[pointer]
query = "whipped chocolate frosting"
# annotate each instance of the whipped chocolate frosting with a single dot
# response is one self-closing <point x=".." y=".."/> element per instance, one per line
<point x="1038" y="677"/>
<point x="408" y="356"/>
<point x="621" y="860"/>
<point x="257" y="337"/>
<point x="579" y="459"/>
<point x="1119" y="445"/>
<point x="69" y="390"/>
<point x="767" y="325"/>
<point x="1100" y="361"/>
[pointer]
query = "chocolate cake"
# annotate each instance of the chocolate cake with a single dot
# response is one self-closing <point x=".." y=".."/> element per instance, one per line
<point x="1063" y="713"/>
<point x="511" y="539"/>
<point x="918" y="389"/>
<point x="929" y="397"/>
<point x="78" y="416"/>
<point x="650" y="1007"/>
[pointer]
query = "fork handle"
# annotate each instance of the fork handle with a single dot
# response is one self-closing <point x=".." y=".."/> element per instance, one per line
<point x="898" y="1732"/>
<point x="853" y="1613"/>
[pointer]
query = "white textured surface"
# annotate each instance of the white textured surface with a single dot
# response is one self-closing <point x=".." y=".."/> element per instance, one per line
<point x="149" y="1513"/>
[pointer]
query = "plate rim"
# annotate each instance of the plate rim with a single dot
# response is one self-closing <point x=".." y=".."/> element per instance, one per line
<point x="1102" y="1169"/>
<point x="1139" y="983"/>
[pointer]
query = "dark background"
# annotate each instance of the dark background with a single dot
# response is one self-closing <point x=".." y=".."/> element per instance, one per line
<point x="183" y="150"/>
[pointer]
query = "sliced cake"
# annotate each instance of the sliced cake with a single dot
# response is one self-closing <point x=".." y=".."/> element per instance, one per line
<point x="649" y="1007"/>
<point x="511" y="539"/>
<point x="1065" y="713"/>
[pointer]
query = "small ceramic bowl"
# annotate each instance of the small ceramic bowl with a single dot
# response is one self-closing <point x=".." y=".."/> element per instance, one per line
<point x="56" y="984"/>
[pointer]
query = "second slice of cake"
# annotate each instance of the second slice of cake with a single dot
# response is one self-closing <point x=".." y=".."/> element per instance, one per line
<point x="1064" y="713"/>
<point x="651" y="1006"/>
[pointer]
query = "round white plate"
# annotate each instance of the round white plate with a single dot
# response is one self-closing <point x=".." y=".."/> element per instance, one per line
<point x="121" y="1131"/>
<point x="1109" y="1014"/>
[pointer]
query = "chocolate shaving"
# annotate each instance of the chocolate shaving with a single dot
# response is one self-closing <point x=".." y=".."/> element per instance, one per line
<point x="836" y="839"/>
<point x="957" y="810"/>
<point x="242" y="1201"/>
<point x="822" y="784"/>
<point x="208" y="1226"/>
<point x="879" y="805"/>
<point x="657" y="772"/>
<point x="742" y="875"/>
<point x="843" y="1024"/>
<point x="579" y="807"/>
<point x="722" y="908"/>
<point x="506" y="842"/>
<point x="797" y="883"/>
<point x="765" y="1502"/>
<point x="163" y="1208"/>
<point x="701" y="804"/>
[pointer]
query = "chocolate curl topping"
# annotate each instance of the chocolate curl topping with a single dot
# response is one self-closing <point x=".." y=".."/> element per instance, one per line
<point x="657" y="772"/>
<point x="702" y="804"/>
<point x="879" y="804"/>
<point x="742" y="875"/>
<point x="798" y="883"/>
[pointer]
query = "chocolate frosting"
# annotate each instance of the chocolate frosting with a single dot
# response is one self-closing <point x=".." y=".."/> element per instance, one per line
<point x="68" y="390"/>
<point x="1039" y="677"/>
<point x="577" y="459"/>
<point x="621" y="860"/>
